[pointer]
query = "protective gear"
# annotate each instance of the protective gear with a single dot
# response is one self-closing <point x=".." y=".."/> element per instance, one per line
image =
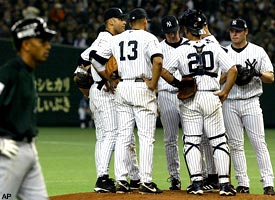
<point x="8" y="148"/>
<point x="194" y="21"/>
<point x="187" y="88"/>
<point x="29" y="28"/>
<point x="83" y="80"/>
<point x="245" y="74"/>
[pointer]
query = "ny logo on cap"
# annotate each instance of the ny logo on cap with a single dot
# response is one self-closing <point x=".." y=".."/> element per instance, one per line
<point x="234" y="22"/>
<point x="169" y="24"/>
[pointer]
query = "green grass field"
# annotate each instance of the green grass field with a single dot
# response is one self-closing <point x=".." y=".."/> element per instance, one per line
<point x="67" y="159"/>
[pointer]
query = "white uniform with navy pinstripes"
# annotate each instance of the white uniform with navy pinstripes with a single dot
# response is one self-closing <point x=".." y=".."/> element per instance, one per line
<point x="242" y="111"/>
<point x="203" y="113"/>
<point x="104" y="112"/>
<point x="168" y="106"/>
<point x="135" y="102"/>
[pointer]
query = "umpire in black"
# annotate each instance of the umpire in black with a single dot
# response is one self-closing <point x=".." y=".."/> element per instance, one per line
<point x="20" y="172"/>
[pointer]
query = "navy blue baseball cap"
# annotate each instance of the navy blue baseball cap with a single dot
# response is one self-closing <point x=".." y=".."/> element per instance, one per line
<point x="238" y="24"/>
<point x="169" y="24"/>
<point x="137" y="13"/>
<point x="114" y="13"/>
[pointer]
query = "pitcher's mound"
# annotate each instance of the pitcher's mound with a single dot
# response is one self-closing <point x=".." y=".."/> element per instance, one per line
<point x="166" y="195"/>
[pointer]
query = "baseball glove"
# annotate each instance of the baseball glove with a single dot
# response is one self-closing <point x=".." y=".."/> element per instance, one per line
<point x="83" y="80"/>
<point x="245" y="75"/>
<point x="111" y="68"/>
<point x="188" y="88"/>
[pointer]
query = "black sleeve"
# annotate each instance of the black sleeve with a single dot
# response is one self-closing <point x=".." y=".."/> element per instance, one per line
<point x="98" y="58"/>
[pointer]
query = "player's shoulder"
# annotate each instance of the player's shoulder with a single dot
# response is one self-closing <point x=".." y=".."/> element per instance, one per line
<point x="11" y="67"/>
<point x="103" y="36"/>
<point x="255" y="46"/>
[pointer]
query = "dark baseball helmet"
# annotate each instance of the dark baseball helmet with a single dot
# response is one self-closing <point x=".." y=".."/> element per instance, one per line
<point x="29" y="28"/>
<point x="194" y="21"/>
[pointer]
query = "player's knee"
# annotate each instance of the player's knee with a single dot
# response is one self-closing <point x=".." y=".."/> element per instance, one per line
<point x="191" y="143"/>
<point x="236" y="145"/>
<point x="219" y="143"/>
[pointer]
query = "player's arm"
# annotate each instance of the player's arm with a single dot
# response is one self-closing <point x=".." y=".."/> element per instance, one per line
<point x="156" y="71"/>
<point x="99" y="64"/>
<point x="169" y="78"/>
<point x="230" y="81"/>
<point x="223" y="78"/>
<point x="267" y="77"/>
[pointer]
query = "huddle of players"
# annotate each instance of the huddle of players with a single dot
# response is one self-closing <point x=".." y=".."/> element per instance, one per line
<point x="194" y="26"/>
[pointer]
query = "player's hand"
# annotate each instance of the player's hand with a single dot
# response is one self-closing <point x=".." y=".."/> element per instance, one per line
<point x="222" y="95"/>
<point x="150" y="84"/>
<point x="8" y="148"/>
<point x="110" y="86"/>
<point x="86" y="68"/>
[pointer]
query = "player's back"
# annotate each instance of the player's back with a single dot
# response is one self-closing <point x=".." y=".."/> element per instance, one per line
<point x="204" y="60"/>
<point x="133" y="50"/>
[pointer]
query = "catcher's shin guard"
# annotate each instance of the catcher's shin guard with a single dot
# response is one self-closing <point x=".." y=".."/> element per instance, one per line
<point x="221" y="155"/>
<point x="193" y="157"/>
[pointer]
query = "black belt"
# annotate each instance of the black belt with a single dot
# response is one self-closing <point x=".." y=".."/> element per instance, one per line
<point x="207" y="90"/>
<point x="100" y="84"/>
<point x="135" y="80"/>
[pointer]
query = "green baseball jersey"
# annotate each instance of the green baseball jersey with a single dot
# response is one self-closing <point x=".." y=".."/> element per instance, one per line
<point x="17" y="100"/>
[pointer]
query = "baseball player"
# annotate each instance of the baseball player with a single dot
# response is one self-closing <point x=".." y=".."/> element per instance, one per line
<point x="139" y="58"/>
<point x="168" y="103"/>
<point x="242" y="108"/>
<point x="103" y="107"/>
<point x="203" y="60"/>
<point x="210" y="183"/>
<point x="20" y="172"/>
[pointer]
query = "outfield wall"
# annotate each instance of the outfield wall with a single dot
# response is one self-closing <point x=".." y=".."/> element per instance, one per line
<point x="58" y="97"/>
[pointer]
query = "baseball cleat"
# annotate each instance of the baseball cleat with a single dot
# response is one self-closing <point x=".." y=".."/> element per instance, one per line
<point x="175" y="184"/>
<point x="104" y="184"/>
<point x="269" y="190"/>
<point x="211" y="183"/>
<point x="242" y="189"/>
<point x="210" y="187"/>
<point x="227" y="190"/>
<point x="123" y="187"/>
<point x="195" y="188"/>
<point x="134" y="184"/>
<point x="149" y="188"/>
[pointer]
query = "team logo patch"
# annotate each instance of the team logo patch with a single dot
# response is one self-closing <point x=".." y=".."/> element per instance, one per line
<point x="1" y="87"/>
<point x="169" y="24"/>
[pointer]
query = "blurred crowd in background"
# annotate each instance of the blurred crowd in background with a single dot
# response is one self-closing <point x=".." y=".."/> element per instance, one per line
<point x="77" y="21"/>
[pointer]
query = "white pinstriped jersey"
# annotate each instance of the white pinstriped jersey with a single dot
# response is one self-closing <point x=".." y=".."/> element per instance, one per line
<point x="213" y="59"/>
<point x="251" y="55"/>
<point x="167" y="51"/>
<point x="102" y="41"/>
<point x="132" y="46"/>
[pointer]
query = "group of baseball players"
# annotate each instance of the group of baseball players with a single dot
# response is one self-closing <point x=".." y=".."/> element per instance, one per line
<point x="146" y="84"/>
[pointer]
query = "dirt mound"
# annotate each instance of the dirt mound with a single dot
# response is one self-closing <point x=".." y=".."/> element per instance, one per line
<point x="166" y="195"/>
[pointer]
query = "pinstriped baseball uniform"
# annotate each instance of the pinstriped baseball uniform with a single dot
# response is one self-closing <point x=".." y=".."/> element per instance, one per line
<point x="208" y="162"/>
<point x="168" y="106"/>
<point x="242" y="111"/>
<point x="203" y="113"/>
<point x="104" y="113"/>
<point x="135" y="103"/>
